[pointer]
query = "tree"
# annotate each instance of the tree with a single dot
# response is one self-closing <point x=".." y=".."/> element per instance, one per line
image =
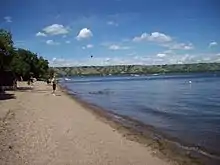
<point x="42" y="67"/>
<point x="19" y="62"/>
<point x="26" y="63"/>
<point x="6" y="49"/>
<point x="19" y="65"/>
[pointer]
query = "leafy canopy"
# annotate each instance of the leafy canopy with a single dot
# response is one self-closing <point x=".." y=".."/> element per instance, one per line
<point x="22" y="62"/>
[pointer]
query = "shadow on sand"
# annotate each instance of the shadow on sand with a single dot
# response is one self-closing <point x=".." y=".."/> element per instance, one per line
<point x="6" y="96"/>
<point x="24" y="88"/>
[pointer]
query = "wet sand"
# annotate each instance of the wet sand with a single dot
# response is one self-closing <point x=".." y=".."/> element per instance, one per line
<point x="39" y="128"/>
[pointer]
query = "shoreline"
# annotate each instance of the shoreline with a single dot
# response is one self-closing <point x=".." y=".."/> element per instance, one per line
<point x="38" y="127"/>
<point x="163" y="147"/>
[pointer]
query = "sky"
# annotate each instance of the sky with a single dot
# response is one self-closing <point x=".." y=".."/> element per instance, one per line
<point x="115" y="32"/>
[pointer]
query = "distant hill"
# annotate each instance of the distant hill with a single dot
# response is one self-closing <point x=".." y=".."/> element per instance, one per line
<point x="136" y="69"/>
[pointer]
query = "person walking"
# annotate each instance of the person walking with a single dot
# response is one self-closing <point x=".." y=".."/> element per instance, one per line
<point x="54" y="85"/>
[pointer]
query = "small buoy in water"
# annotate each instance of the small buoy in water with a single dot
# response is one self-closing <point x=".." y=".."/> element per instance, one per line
<point x="190" y="82"/>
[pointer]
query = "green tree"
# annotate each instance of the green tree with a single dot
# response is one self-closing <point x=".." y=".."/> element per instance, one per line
<point x="20" y="61"/>
<point x="6" y="49"/>
<point x="26" y="63"/>
<point x="19" y="66"/>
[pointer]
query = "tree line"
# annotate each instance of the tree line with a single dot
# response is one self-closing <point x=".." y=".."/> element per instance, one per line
<point x="23" y="63"/>
<point x="137" y="69"/>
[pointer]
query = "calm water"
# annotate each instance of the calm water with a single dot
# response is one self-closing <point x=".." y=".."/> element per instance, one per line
<point x="185" y="107"/>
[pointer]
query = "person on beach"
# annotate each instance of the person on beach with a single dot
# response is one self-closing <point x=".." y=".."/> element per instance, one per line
<point x="48" y="81"/>
<point x="54" y="85"/>
<point x="30" y="81"/>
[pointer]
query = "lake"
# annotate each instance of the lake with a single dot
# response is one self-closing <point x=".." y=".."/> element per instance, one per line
<point x="185" y="107"/>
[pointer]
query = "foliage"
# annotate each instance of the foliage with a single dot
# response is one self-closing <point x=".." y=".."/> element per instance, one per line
<point x="25" y="63"/>
<point x="6" y="48"/>
<point x="51" y="72"/>
<point x="20" y="61"/>
<point x="136" y="69"/>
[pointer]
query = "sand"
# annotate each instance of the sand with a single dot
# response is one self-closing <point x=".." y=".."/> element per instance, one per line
<point x="38" y="128"/>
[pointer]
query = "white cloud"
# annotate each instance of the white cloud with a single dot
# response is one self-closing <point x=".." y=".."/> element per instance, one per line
<point x="159" y="37"/>
<point x="103" y="61"/>
<point x="211" y="44"/>
<point x="206" y="59"/>
<point x="67" y="42"/>
<point x="179" y="46"/>
<point x="132" y="53"/>
<point x="89" y="46"/>
<point x="118" y="47"/>
<point x="168" y="51"/>
<point x="161" y="55"/>
<point x="114" y="46"/>
<point x="56" y="29"/>
<point x="8" y="19"/>
<point x="164" y="40"/>
<point x="143" y="36"/>
<point x="41" y="34"/>
<point x="51" y="42"/>
<point x="154" y="37"/>
<point x="138" y="60"/>
<point x="194" y="58"/>
<point x="112" y="23"/>
<point x="84" y="34"/>
<point x="95" y="61"/>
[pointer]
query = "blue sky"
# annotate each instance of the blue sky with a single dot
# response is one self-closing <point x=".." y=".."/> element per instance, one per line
<point x="116" y="32"/>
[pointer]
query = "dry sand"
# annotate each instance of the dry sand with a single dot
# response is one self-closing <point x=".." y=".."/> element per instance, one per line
<point x="38" y="128"/>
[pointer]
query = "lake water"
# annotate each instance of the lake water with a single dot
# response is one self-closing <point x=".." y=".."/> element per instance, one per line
<point x="184" y="107"/>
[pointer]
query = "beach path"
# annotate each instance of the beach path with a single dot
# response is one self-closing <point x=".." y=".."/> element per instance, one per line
<point x="38" y="128"/>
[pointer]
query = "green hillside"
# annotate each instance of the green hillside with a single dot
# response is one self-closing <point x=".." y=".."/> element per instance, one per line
<point x="136" y="69"/>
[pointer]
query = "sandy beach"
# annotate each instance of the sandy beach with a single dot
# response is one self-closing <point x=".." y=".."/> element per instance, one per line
<point x="39" y="128"/>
